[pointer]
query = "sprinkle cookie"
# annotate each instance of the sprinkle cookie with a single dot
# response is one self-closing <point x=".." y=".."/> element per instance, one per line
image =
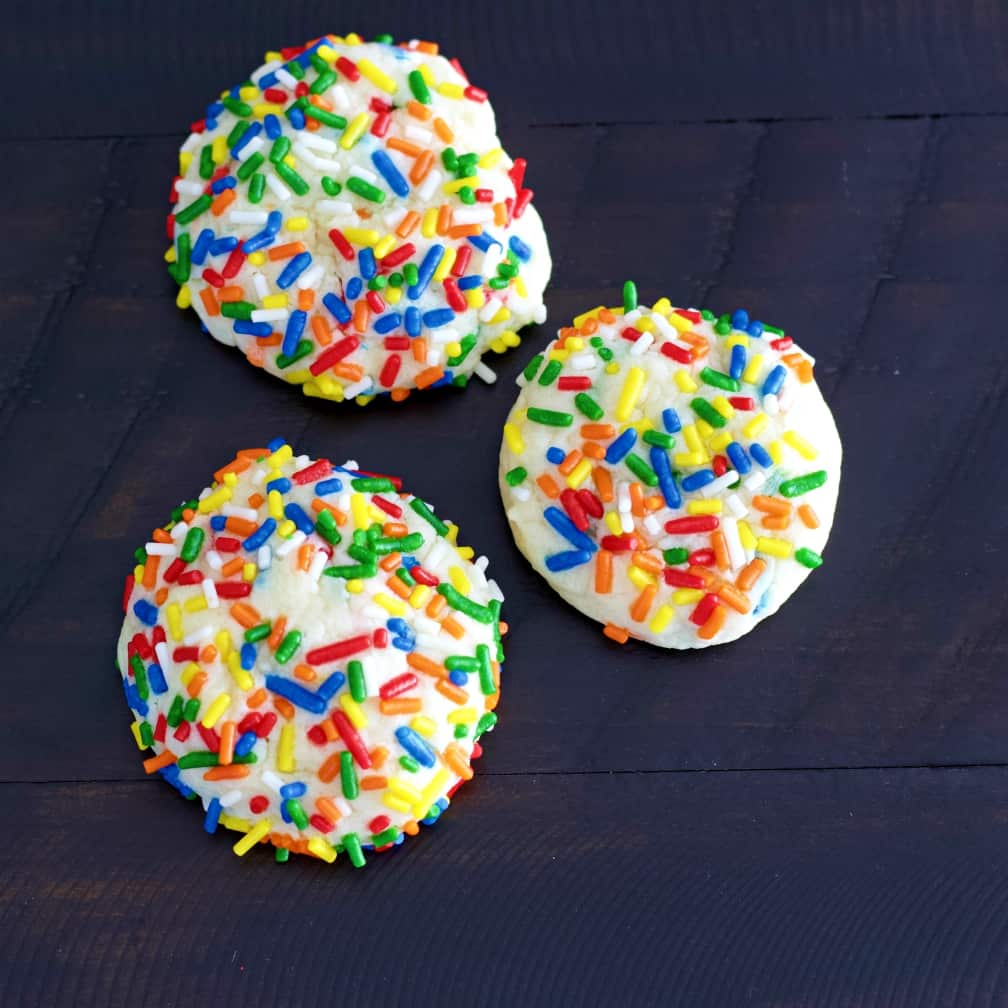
<point x="308" y="652"/>
<point x="670" y="473"/>
<point x="348" y="219"/>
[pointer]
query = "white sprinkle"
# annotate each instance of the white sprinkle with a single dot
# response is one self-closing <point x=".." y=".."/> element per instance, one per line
<point x="235" y="511"/>
<point x="340" y="97"/>
<point x="651" y="525"/>
<point x="754" y="480"/>
<point x="248" y="216"/>
<point x="736" y="506"/>
<point x="288" y="545"/>
<point x="286" y="77"/>
<point x="414" y="132"/>
<point x="641" y="345"/>
<point x="443" y="335"/>
<point x="623" y="497"/>
<point x="631" y="316"/>
<point x="583" y="361"/>
<point x="229" y="798"/>
<point x="434" y="356"/>
<point x="394" y="218"/>
<point x="187" y="188"/>
<point x="193" y="140"/>
<point x="276" y="187"/>
<point x="520" y="493"/>
<point x="486" y="373"/>
<point x="343" y="805"/>
<point x="733" y="542"/>
<point x="429" y="185"/>
<point x="722" y="482"/>
<point x="539" y="315"/>
<point x="469" y="215"/>
<point x="481" y="563"/>
<point x="307" y="139"/>
<point x="264" y="557"/>
<point x="204" y="633"/>
<point x="261" y="285"/>
<point x="179" y="530"/>
<point x="255" y="144"/>
<point x="771" y="404"/>
<point x="358" y="388"/>
<point x="209" y="593"/>
<point x="786" y="397"/>
<point x="488" y="310"/>
<point x="272" y="780"/>
<point x="341" y="208"/>
<point x="310" y="277"/>
<point x="161" y="549"/>
<point x="626" y="522"/>
<point x="494" y="589"/>
<point x="365" y="173"/>
<point x="269" y="314"/>
<point x="164" y="658"/>
<point x="318" y="564"/>
<point x="214" y="559"/>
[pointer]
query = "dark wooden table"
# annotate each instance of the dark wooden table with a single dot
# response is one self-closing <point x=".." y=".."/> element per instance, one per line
<point x="814" y="816"/>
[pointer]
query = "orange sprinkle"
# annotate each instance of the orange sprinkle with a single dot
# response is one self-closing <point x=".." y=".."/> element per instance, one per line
<point x="239" y="465"/>
<point x="456" y="761"/>
<point x="390" y="561"/>
<point x="589" y="327"/>
<point x="208" y="654"/>
<point x="426" y="665"/>
<point x="420" y="350"/>
<point x="776" y="522"/>
<point x="714" y="623"/>
<point x="286" y="251"/>
<point x="603" y="483"/>
<point x="648" y="562"/>
<point x="398" y="587"/>
<point x="306" y="298"/>
<point x="394" y="530"/>
<point x="150" y="571"/>
<point x="256" y="698"/>
<point x="452" y="627"/>
<point x="351" y="372"/>
<point x="421" y="167"/>
<point x="161" y="596"/>
<point x="159" y="762"/>
<point x="443" y="130"/>
<point x="636" y="500"/>
<point x="329" y="730"/>
<point x="222" y="202"/>
<point x="464" y="230"/>
<point x="731" y="595"/>
<point x="378" y="756"/>
<point x="361" y="315"/>
<point x="305" y="673"/>
<point x="373" y="782"/>
<point x="401" y="705"/>
<point x="321" y="331"/>
<point x="417" y="110"/>
<point x="500" y="214"/>
<point x="809" y="518"/>
<point x="572" y="458"/>
<point x="159" y="535"/>
<point x="305" y="553"/>
<point x="274" y="339"/>
<point x="603" y="572"/>
<point x="233" y="292"/>
<point x="444" y="218"/>
<point x="408" y="224"/>
<point x="197" y="683"/>
<point x="771" y="505"/>
<point x="284" y="708"/>
<point x="454" y="693"/>
<point x="593" y="450"/>
<point x="227" y="743"/>
<point x="401" y="394"/>
<point x="613" y="632"/>
<point x="232" y="772"/>
<point x="255" y="500"/>
<point x="548" y="486"/>
<point x="233" y="566"/>
<point x="405" y="147"/>
<point x="276" y="634"/>
<point x="720" y="547"/>
<point x="639" y="610"/>
<point x="750" y="574"/>
<point x="598" y="431"/>
<point x="240" y="526"/>
<point x="328" y="808"/>
<point x="318" y="504"/>
<point x="329" y="768"/>
<point x="436" y="606"/>
<point x="606" y="316"/>
<point x="428" y="376"/>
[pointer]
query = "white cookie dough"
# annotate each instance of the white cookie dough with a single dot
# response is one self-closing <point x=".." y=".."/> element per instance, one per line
<point x="307" y="650"/>
<point x="349" y="221"/>
<point x="671" y="475"/>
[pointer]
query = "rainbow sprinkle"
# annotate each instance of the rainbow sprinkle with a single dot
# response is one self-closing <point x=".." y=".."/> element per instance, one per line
<point x="308" y="651"/>
<point x="674" y="467"/>
<point x="327" y="222"/>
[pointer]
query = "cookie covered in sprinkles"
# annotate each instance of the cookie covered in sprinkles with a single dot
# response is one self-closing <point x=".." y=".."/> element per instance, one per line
<point x="671" y="473"/>
<point x="309" y="653"/>
<point x="348" y="219"/>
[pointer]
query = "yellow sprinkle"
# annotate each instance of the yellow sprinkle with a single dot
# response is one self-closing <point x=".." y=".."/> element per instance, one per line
<point x="773" y="547"/>
<point x="216" y="710"/>
<point x="378" y="77"/>
<point x="393" y="295"/>
<point x="465" y="552"/>
<point x="719" y="441"/>
<point x="169" y="255"/>
<point x="752" y="369"/>
<point x="475" y="298"/>
<point x="296" y="224"/>
<point x="560" y="355"/>
<point x="419" y="596"/>
<point x="274" y="501"/>
<point x="423" y="725"/>
<point x="254" y="835"/>
<point x="327" y="53"/>
<point x="285" y="749"/>
<point x="175" y="621"/>
<point x="223" y="642"/>
<point x="684" y="381"/>
<point x="687" y="596"/>
<point x="680" y="323"/>
<point x="491" y="158"/>
<point x="444" y="267"/>
<point x="257" y="258"/>
<point x="630" y="393"/>
<point x="454" y="348"/>
<point x="688" y="458"/>
<point x="800" y="445"/>
<point x="391" y="605"/>
<point x="185" y="676"/>
<point x="322" y="849"/>
<point x="428" y="223"/>
<point x="450" y="90"/>
<point x="662" y="618"/>
<point x="353" y="711"/>
<point x="425" y="72"/>
<point x="754" y="426"/>
<point x="612" y="519"/>
<point x="361" y="236"/>
<point x="456" y="184"/>
<point x="579" y="320"/>
<point x="290" y="161"/>
<point x="281" y="455"/>
<point x="184" y="297"/>
<point x="436" y="787"/>
<point x="249" y="571"/>
<point x="241" y="676"/>
<point x="135" y="728"/>
<point x="195" y="604"/>
<point x="692" y="438"/>
<point x="736" y="339"/>
<point x="138" y="572"/>
<point x="184" y="160"/>
<point x="574" y="343"/>
<point x="355" y="586"/>
<point x="286" y="528"/>
<point x="723" y="407"/>
<point x="463" y="715"/>
<point x="774" y="450"/>
<point x="704" y="429"/>
<point x="404" y="789"/>
<point x="396" y="804"/>
<point x="704" y="507"/>
<point x="235" y="823"/>
<point x="746" y="535"/>
<point x="502" y="316"/>
<point x="662" y="306"/>
<point x="261" y="109"/>
<point x="359" y="511"/>
<point x="512" y="435"/>
<point x="214" y="500"/>
<point x="579" y="473"/>
<point x="385" y="246"/>
<point x="452" y="534"/>
<point x="457" y="577"/>
<point x="230" y="479"/>
<point x="640" y="578"/>
<point x="219" y="149"/>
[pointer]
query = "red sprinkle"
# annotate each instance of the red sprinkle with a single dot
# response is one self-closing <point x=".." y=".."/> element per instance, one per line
<point x="574" y="510"/>
<point x="399" y="255"/>
<point x="210" y="738"/>
<point x="462" y="261"/>
<point x="174" y="569"/>
<point x="704" y="608"/>
<point x="233" y="589"/>
<point x="312" y="473"/>
<point x="351" y="739"/>
<point x="258" y="803"/>
<point x="387" y="506"/>
<point x="182" y="732"/>
<point x="348" y="68"/>
<point x="381" y="124"/>
<point x="619" y="544"/>
<point x="181" y="654"/>
<point x="692" y="523"/>
<point x="190" y="577"/>
<point x="320" y="823"/>
<point x="397" y="686"/>
<point x="390" y="369"/>
<point x="591" y="503"/>
<point x="338" y="649"/>
<point x="702" y="557"/>
<point x="742" y="402"/>
<point x="677" y="353"/>
<point x="265" y="726"/>
<point x="127" y="591"/>
<point x="681" y="579"/>
<point x="719" y="464"/>
<point x="333" y="354"/>
<point x="249" y="722"/>
<point x="344" y="247"/>
<point x="569" y="383"/>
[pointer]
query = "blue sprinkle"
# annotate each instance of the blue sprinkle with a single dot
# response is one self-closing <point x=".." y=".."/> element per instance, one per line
<point x="274" y="220"/>
<point x="519" y="248"/>
<point x="218" y="523"/>
<point x="214" y="109"/>
<point x="276" y="444"/>
<point x="620" y="448"/>
<point x="426" y="270"/>
<point x="774" y="380"/>
<point x="272" y="125"/>
<point x="293" y="790"/>
<point x="666" y="479"/>
<point x="409" y="562"/>
<point x="738" y="458"/>
<point x="367" y="263"/>
<point x="738" y="361"/>
<point x="226" y="182"/>
<point x="671" y="421"/>
<point x="448" y="378"/>
<point x="483" y="242"/>
<point x="281" y="484"/>
<point x="146" y="612"/>
<point x="740" y="319"/>
<point x="222" y="245"/>
<point x="416" y="746"/>
<point x="338" y="309"/>
<point x="404" y="642"/>
<point x="698" y="479"/>
<point x="387" y="323"/>
<point x="260" y="329"/>
<point x="567" y="560"/>
<point x="756" y="329"/>
<point x="133" y="698"/>
<point x="260" y="535"/>
<point x="295" y="329"/>
<point x="458" y="677"/>
<point x="212" y="815"/>
<point x="267" y="81"/>
<point x="296" y="118"/>
<point x="248" y="656"/>
<point x="247" y="137"/>
<point x="258" y="241"/>
<point x="397" y="625"/>
<point x="329" y="486"/>
<point x="155" y="676"/>
<point x="293" y="270"/>
<point x="284" y="814"/>
<point x="297" y="514"/>
<point x="555" y="455"/>
<point x="201" y="246"/>
<point x="211" y="124"/>
<point x="471" y="281"/>
<point x="246" y="743"/>
<point x="438" y="317"/>
<point x="761" y="455"/>
<point x="412" y="321"/>
<point x="388" y="171"/>
<point x="354" y="288"/>
<point x="559" y="520"/>
<point x="328" y="689"/>
<point x="297" y="694"/>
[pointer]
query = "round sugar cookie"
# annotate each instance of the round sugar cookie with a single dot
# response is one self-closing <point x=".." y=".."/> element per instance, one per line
<point x="308" y="652"/>
<point x="671" y="474"/>
<point x="348" y="219"/>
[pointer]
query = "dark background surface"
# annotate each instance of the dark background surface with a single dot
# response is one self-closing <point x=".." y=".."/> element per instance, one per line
<point x="812" y="816"/>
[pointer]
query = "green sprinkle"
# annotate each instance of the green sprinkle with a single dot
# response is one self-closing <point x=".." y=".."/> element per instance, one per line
<point x="405" y="544"/>
<point x="373" y="484"/>
<point x="808" y="558"/>
<point x="467" y="164"/>
<point x="237" y="132"/>
<point x="495" y="608"/>
<point x="140" y="675"/>
<point x="281" y="855"/>
<point x="507" y="270"/>
<point x="465" y="605"/>
<point x="365" y="190"/>
<point x="355" y="676"/>
<point x="722" y="327"/>
<point x="316" y="61"/>
<point x="409" y="764"/>
<point x="304" y="348"/>
<point x="466" y="345"/>
<point x="551" y="372"/>
<point x="461" y="731"/>
<point x="192" y="544"/>
<point x="351" y="572"/>
<point x="772" y="329"/>
<point x="325" y="525"/>
<point x="803" y="484"/>
<point x="629" y="296"/>
<point x="550" y="418"/>
<point x="206" y="162"/>
<point x="516" y="476"/>
<point x="467" y="196"/>
<point x="641" y="469"/>
<point x="532" y="367"/>
<point x="294" y="181"/>
<point x="462" y="663"/>
<point x="330" y="186"/>
<point x="249" y="165"/>
<point x="386" y="837"/>
<point x="188" y="214"/>
<point x="719" y="380"/>
<point x="485" y="723"/>
<point x="324" y="117"/>
<point x="395" y="279"/>
<point x="280" y="149"/>
<point x="257" y="633"/>
<point x="428" y="516"/>
<point x="354" y="851"/>
<point x="405" y="576"/>
<point x="237" y="309"/>
<point x="200" y="758"/>
<point x="659" y="439"/>
<point x="239" y="108"/>
<point x="411" y="273"/>
<point x="419" y="87"/>
<point x="191" y="710"/>
<point x="288" y="646"/>
<point x="348" y="776"/>
<point x="257" y="185"/>
<point x="705" y="411"/>
<point x="295" y="69"/>
<point x="588" y="406"/>
<point x="676" y="555"/>
<point x="323" y="82"/>
<point x="183" y="267"/>
<point x="486" y="677"/>
<point x="497" y="283"/>
<point x="146" y="734"/>
<point x="296" y="811"/>
<point x="174" y="717"/>
<point x="707" y="315"/>
<point x="377" y="283"/>
<point x="449" y="159"/>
